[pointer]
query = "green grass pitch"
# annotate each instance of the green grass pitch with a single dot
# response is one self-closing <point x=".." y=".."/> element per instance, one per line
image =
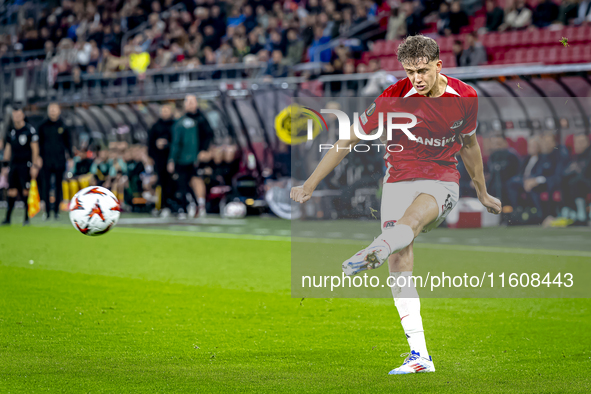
<point x="154" y="311"/>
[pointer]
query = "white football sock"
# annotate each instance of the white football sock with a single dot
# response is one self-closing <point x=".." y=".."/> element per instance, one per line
<point x="406" y="299"/>
<point x="397" y="238"/>
<point x="201" y="202"/>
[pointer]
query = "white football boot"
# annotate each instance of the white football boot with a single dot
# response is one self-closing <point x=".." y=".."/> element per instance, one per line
<point x="367" y="259"/>
<point x="414" y="363"/>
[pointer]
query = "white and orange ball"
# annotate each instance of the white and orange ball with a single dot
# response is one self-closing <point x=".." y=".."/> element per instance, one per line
<point x="94" y="210"/>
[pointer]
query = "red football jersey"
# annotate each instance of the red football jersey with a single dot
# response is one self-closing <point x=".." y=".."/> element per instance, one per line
<point x="439" y="121"/>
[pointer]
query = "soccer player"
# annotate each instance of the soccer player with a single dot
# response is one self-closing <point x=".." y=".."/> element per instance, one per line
<point x="421" y="185"/>
<point x="21" y="153"/>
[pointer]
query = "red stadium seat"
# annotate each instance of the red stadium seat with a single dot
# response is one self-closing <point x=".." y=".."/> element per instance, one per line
<point x="388" y="63"/>
<point x="430" y="28"/>
<point x="544" y="196"/>
<point x="467" y="29"/>
<point x="521" y="146"/>
<point x="449" y="60"/>
<point x="552" y="56"/>
<point x="445" y="44"/>
<point x="515" y="38"/>
<point x="525" y="38"/>
<point x="569" y="142"/>
<point x="572" y="33"/>
<point x="479" y="21"/>
<point x="488" y="40"/>
<point x="530" y="55"/>
<point x="378" y="47"/>
<point x="510" y="57"/>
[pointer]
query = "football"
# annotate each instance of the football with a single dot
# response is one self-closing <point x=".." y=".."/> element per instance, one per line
<point x="94" y="210"/>
<point x="234" y="210"/>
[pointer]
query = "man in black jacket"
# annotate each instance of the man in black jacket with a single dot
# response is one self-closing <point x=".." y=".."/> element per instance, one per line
<point x="54" y="144"/>
<point x="576" y="181"/>
<point x="503" y="164"/>
<point x="159" y="139"/>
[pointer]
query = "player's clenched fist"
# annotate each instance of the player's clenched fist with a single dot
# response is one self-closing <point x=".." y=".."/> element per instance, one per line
<point x="299" y="194"/>
<point x="492" y="204"/>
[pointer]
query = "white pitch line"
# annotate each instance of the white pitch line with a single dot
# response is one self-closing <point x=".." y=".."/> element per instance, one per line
<point x="499" y="249"/>
<point x="462" y="248"/>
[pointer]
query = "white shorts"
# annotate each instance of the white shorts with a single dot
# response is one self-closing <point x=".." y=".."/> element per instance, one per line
<point x="398" y="196"/>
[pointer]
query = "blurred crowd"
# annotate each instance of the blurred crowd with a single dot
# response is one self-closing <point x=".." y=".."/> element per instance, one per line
<point x="90" y="36"/>
<point x="77" y="37"/>
<point x="550" y="183"/>
<point x="181" y="170"/>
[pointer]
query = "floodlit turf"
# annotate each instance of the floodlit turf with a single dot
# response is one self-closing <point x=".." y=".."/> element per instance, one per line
<point x="145" y="311"/>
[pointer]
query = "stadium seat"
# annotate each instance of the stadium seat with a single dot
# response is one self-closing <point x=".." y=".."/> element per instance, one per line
<point x="569" y="142"/>
<point x="445" y="44"/>
<point x="521" y="146"/>
<point x="389" y="63"/>
<point x="479" y="21"/>
<point x="525" y="38"/>
<point x="467" y="29"/>
<point x="379" y="48"/>
<point x="430" y="28"/>
<point x="529" y="55"/>
<point x="552" y="56"/>
<point x="544" y="196"/>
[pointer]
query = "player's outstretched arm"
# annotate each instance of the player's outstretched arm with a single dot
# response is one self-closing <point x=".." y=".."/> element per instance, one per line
<point x="328" y="163"/>
<point x="472" y="158"/>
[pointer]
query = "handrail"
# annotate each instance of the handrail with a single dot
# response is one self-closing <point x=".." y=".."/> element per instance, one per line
<point x="347" y="35"/>
<point x="24" y="54"/>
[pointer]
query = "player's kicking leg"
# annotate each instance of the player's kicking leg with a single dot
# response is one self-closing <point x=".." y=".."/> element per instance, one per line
<point x="395" y="245"/>
<point x="396" y="237"/>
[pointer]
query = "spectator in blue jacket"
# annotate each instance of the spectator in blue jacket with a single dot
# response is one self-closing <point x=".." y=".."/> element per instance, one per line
<point x="548" y="171"/>
<point x="319" y="40"/>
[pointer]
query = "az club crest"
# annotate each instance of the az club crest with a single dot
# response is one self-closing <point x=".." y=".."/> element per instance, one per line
<point x="456" y="124"/>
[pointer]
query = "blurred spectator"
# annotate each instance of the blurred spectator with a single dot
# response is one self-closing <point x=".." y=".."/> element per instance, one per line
<point x="443" y="21"/>
<point x="474" y="54"/>
<point x="526" y="171"/>
<point x="315" y="53"/>
<point x="457" y="17"/>
<point x="414" y="20"/>
<point x="576" y="182"/>
<point x="396" y="24"/>
<point x="546" y="13"/>
<point x="517" y="17"/>
<point x="457" y="49"/>
<point x="503" y="164"/>
<point x="295" y="48"/>
<point x="545" y="175"/>
<point x="568" y="11"/>
<point x="584" y="13"/>
<point x="277" y="68"/>
<point x="494" y="16"/>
